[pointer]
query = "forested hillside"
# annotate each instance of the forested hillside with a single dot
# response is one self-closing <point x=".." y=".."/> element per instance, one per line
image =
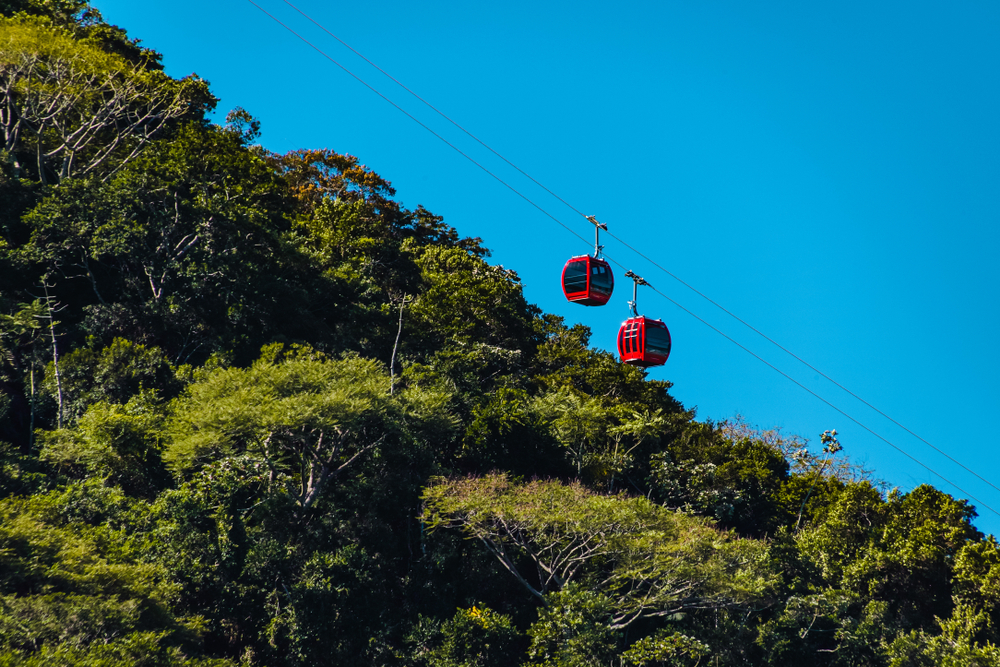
<point x="254" y="411"/>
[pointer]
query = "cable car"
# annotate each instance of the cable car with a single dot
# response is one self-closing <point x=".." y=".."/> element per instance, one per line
<point x="642" y="341"/>
<point x="587" y="279"/>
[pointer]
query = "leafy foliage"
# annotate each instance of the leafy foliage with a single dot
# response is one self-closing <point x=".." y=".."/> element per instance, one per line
<point x="76" y="106"/>
<point x="307" y="417"/>
<point x="644" y="560"/>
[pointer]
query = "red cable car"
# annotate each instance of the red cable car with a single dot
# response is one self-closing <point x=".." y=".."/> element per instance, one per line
<point x="586" y="279"/>
<point x="642" y="341"/>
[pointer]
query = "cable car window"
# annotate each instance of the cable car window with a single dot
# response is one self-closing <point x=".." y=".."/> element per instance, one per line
<point x="575" y="277"/>
<point x="657" y="340"/>
<point x="601" y="281"/>
<point x="632" y="338"/>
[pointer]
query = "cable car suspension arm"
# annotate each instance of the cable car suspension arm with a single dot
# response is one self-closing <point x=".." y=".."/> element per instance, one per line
<point x="598" y="226"/>
<point x="638" y="280"/>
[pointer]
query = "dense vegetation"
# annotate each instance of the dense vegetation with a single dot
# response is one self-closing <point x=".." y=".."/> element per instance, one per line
<point x="254" y="411"/>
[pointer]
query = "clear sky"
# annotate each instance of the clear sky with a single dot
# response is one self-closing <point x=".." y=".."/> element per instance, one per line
<point x="828" y="172"/>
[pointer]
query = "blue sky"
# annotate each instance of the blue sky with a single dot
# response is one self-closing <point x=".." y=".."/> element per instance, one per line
<point x="831" y="174"/>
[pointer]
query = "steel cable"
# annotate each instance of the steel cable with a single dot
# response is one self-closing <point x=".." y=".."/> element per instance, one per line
<point x="634" y="250"/>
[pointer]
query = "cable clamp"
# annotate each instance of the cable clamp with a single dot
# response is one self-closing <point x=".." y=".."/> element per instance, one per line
<point x="594" y="220"/>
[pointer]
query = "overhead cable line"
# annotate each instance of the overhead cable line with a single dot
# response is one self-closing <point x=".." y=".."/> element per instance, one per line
<point x="810" y="391"/>
<point x="438" y="111"/>
<point x="574" y="233"/>
<point x="801" y="360"/>
<point x="415" y="120"/>
<point x="642" y="254"/>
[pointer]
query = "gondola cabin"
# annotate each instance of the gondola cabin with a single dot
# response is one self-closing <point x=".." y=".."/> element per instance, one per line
<point x="643" y="341"/>
<point x="588" y="281"/>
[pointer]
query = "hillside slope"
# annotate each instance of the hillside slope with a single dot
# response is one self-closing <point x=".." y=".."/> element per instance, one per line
<point x="254" y="411"/>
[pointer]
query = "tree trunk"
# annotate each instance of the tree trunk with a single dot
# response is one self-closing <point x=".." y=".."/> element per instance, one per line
<point x="31" y="427"/>
<point x="55" y="353"/>
<point x="392" y="361"/>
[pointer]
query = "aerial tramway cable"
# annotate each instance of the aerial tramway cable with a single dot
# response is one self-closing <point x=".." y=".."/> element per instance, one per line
<point x="417" y="121"/>
<point x="646" y="257"/>
<point x="636" y="251"/>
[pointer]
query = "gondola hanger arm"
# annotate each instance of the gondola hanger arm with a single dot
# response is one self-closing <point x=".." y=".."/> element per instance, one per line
<point x="598" y="226"/>
<point x="637" y="280"/>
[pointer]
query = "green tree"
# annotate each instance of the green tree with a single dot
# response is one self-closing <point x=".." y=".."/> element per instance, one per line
<point x="901" y="550"/>
<point x="73" y="106"/>
<point x="468" y="300"/>
<point x="504" y="431"/>
<point x="114" y="375"/>
<point x="666" y="648"/>
<point x="304" y="415"/>
<point x="473" y="637"/>
<point x="736" y="482"/>
<point x="647" y="561"/>
<point x="955" y="646"/>
<point x="572" y="630"/>
<point x="180" y="248"/>
<point x="580" y="425"/>
<point x="75" y="590"/>
<point x="118" y="443"/>
<point x="20" y="335"/>
<point x="63" y="11"/>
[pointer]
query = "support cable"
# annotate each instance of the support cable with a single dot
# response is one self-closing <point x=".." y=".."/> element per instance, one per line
<point x="801" y="360"/>
<point x="437" y="111"/>
<point x="644" y="256"/>
<point x="415" y="120"/>
<point x="636" y="251"/>
<point x="810" y="391"/>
